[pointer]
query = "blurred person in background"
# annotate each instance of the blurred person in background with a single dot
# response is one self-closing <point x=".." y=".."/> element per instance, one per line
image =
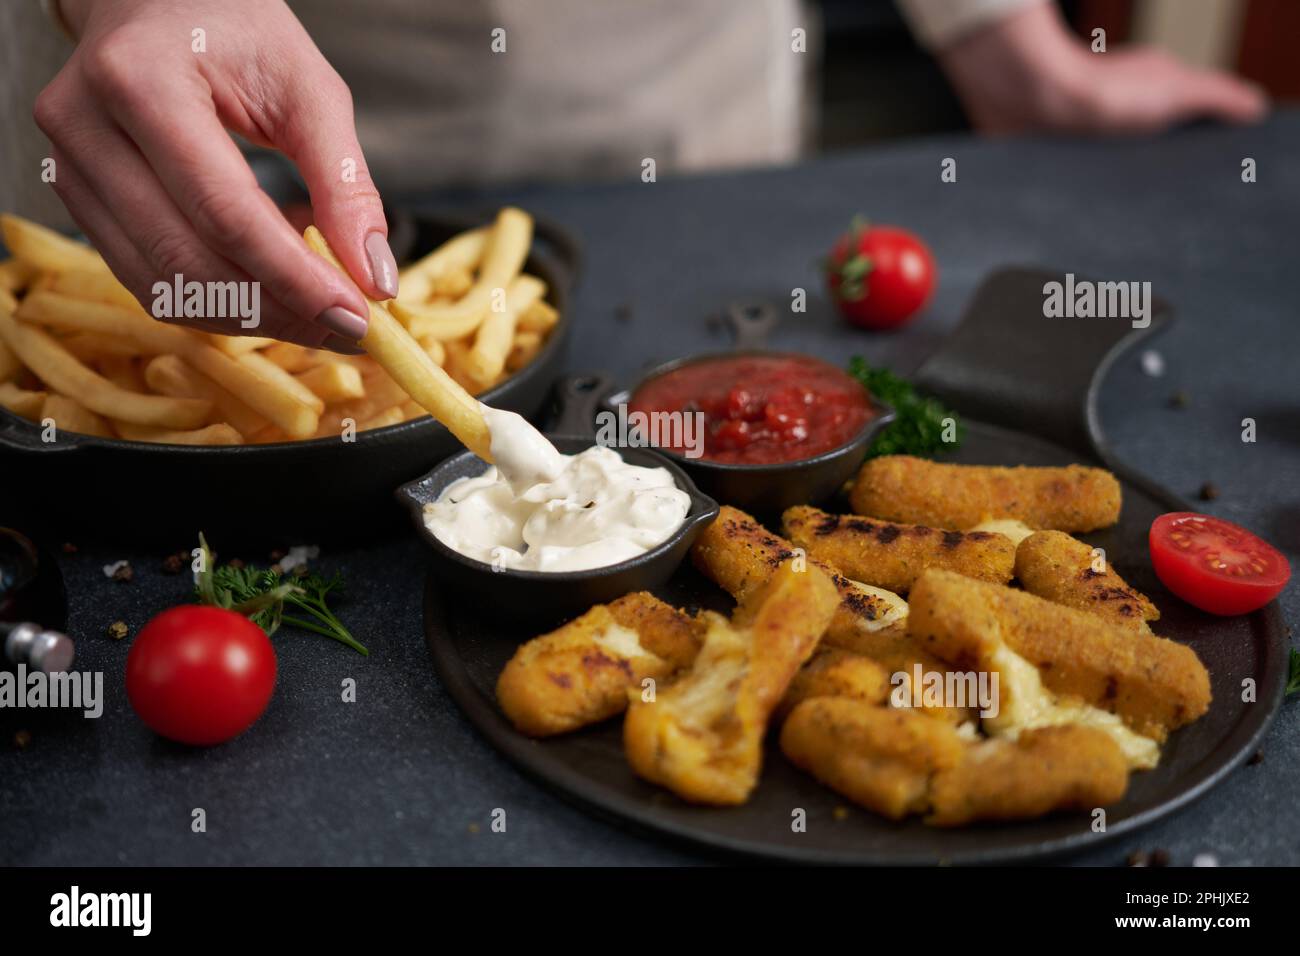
<point x="422" y="94"/>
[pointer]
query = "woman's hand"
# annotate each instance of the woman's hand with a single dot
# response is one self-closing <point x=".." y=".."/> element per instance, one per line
<point x="138" y="118"/>
<point x="1026" y="71"/>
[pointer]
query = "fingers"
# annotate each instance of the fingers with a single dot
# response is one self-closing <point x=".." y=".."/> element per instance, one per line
<point x="1216" y="95"/>
<point x="200" y="168"/>
<point x="318" y="134"/>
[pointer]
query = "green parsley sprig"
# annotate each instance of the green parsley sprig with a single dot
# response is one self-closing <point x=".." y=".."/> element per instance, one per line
<point x="262" y="595"/>
<point x="918" y="425"/>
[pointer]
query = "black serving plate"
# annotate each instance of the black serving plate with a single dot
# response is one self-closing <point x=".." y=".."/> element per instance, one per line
<point x="589" y="767"/>
<point x="319" y="490"/>
<point x="1005" y="359"/>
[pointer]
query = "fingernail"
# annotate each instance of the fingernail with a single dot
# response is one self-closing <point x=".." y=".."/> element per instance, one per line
<point x="337" y="343"/>
<point x="347" y="324"/>
<point x="383" y="267"/>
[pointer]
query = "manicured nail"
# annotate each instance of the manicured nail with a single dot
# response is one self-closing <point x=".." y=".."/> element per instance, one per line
<point x="340" y="320"/>
<point x="337" y="343"/>
<point x="383" y="267"/>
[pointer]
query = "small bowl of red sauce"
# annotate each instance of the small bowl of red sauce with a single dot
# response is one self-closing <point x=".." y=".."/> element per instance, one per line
<point x="766" y="430"/>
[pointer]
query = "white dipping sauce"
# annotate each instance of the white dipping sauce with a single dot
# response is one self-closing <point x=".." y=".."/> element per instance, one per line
<point x="539" y="510"/>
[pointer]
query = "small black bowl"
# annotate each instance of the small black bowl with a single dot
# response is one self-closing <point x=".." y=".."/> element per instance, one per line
<point x="546" y="596"/>
<point x="768" y="489"/>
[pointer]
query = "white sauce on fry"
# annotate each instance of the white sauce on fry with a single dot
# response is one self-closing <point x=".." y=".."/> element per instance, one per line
<point x="539" y="510"/>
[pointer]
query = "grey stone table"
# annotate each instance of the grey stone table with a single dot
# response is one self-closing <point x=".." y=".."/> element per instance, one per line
<point x="399" y="777"/>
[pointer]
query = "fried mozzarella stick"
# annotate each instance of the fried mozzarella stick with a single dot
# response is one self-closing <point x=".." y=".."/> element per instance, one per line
<point x="739" y="554"/>
<point x="582" y="672"/>
<point x="834" y="672"/>
<point x="702" y="736"/>
<point x="1039" y="772"/>
<point x="916" y="491"/>
<point x="1060" y="568"/>
<point x="879" y="757"/>
<point x="1153" y="685"/>
<point x="892" y="556"/>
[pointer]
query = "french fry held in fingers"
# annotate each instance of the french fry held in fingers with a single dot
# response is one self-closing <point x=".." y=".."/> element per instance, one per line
<point x="487" y="358"/>
<point x="44" y="250"/>
<point x="60" y="370"/>
<point x="503" y="258"/>
<point x="410" y="367"/>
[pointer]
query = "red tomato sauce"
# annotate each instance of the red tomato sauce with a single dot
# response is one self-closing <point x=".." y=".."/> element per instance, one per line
<point x="761" y="409"/>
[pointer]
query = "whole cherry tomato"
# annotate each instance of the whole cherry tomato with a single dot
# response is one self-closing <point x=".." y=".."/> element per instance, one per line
<point x="200" y="675"/>
<point x="880" y="276"/>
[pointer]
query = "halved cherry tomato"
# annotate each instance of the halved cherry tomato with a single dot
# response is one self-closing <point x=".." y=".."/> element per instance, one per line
<point x="200" y="675"/>
<point x="1214" y="564"/>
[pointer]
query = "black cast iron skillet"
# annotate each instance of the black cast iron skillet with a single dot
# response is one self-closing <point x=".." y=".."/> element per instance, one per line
<point x="544" y="598"/>
<point x="319" y="490"/>
<point x="763" y="490"/>
<point x="1062" y="375"/>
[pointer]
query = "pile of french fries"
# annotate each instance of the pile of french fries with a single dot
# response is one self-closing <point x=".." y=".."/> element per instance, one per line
<point x="78" y="351"/>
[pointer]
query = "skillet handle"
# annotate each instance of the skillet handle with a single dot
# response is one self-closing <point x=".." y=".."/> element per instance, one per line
<point x="577" y="399"/>
<point x="1009" y="365"/>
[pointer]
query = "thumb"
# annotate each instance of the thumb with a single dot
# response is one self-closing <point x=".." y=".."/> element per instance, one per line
<point x="320" y="136"/>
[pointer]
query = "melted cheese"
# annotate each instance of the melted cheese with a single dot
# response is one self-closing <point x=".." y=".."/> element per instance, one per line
<point x="622" y="641"/>
<point x="894" y="607"/>
<point x="1032" y="705"/>
<point x="1017" y="531"/>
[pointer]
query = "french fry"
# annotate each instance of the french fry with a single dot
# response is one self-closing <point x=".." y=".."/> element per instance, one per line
<point x="14" y="275"/>
<point x="487" y="358"/>
<point x="218" y="434"/>
<point x="60" y="370"/>
<point x="507" y="248"/>
<point x="453" y="284"/>
<point x="237" y="345"/>
<point x="71" y="416"/>
<point x="293" y="358"/>
<point x="44" y="249"/>
<point x="98" y="286"/>
<point x="170" y="375"/>
<point x="9" y="364"/>
<point x="274" y="394"/>
<point x="538" y="317"/>
<point x="411" y="368"/>
<point x="21" y="401"/>
<point x="524" y="350"/>
<point x="333" y="381"/>
<point x="434" y="348"/>
<point x="268" y="434"/>
<point x="464" y="251"/>
<point x="389" y="416"/>
<point x="412" y="410"/>
<point x="125" y="373"/>
<point x="90" y="346"/>
<point x="268" y="370"/>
